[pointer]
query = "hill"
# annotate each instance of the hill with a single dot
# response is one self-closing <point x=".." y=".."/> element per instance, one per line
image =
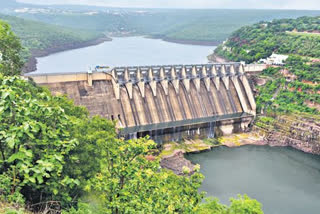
<point x="285" y="36"/>
<point x="40" y="39"/>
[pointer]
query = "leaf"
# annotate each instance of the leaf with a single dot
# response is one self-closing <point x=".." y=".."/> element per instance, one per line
<point x="77" y="182"/>
<point x="55" y="191"/>
<point x="40" y="179"/>
<point x="32" y="179"/>
<point x="5" y="95"/>
<point x="16" y="156"/>
<point x="26" y="127"/>
<point x="28" y="153"/>
<point x="11" y="142"/>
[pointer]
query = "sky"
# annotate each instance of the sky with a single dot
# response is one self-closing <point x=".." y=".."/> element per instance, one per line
<point x="232" y="4"/>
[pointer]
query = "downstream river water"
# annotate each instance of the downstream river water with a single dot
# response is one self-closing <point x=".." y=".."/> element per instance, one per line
<point x="284" y="180"/>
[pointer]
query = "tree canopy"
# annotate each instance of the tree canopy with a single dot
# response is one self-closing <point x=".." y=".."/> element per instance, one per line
<point x="10" y="50"/>
<point x="285" y="36"/>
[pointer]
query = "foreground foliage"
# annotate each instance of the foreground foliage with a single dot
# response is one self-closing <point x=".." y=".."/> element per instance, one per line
<point x="36" y="138"/>
<point x="10" y="48"/>
<point x="240" y="205"/>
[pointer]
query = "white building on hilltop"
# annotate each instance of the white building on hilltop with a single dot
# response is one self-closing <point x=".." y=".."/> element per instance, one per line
<point x="275" y="59"/>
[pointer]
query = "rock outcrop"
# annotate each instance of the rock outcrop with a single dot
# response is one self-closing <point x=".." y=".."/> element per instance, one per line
<point x="177" y="163"/>
<point x="301" y="132"/>
<point x="172" y="155"/>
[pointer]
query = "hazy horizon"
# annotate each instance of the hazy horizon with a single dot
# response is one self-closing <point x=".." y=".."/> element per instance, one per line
<point x="190" y="4"/>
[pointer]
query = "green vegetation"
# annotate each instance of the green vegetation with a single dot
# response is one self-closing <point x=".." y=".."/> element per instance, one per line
<point x="240" y="205"/>
<point x="10" y="48"/>
<point x="286" y="97"/>
<point x="53" y="156"/>
<point x="304" y="69"/>
<point x="252" y="43"/>
<point x="37" y="36"/>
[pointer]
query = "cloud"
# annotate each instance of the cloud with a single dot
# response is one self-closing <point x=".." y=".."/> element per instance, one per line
<point x="260" y="4"/>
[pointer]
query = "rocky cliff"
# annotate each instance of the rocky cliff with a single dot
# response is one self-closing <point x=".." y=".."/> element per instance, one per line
<point x="300" y="131"/>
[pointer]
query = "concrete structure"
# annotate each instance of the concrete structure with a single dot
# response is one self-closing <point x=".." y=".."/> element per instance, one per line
<point x="167" y="102"/>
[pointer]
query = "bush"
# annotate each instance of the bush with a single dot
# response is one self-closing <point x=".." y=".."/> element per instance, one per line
<point x="35" y="137"/>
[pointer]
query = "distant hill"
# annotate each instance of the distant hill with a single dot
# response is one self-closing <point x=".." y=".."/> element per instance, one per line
<point x="41" y="39"/>
<point x="193" y="25"/>
<point x="213" y="25"/>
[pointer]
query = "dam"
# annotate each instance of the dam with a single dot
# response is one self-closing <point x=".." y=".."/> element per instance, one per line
<point x="165" y="102"/>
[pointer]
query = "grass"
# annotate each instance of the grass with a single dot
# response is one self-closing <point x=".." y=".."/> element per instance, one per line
<point x="239" y="139"/>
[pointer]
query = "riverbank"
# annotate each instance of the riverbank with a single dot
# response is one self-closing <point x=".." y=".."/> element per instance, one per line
<point x="186" y="41"/>
<point x="31" y="64"/>
<point x="214" y="58"/>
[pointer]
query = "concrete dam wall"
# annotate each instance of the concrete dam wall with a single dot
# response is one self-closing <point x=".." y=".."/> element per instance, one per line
<point x="165" y="102"/>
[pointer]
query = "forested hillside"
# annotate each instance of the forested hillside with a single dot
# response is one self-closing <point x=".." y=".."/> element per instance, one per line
<point x="41" y="39"/>
<point x="285" y="36"/>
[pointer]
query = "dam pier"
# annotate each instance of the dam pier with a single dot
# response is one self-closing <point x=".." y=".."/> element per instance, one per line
<point x="166" y="102"/>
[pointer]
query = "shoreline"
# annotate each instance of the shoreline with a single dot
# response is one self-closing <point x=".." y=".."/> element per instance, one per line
<point x="192" y="42"/>
<point x="31" y="64"/>
<point x="186" y="41"/>
<point x="216" y="58"/>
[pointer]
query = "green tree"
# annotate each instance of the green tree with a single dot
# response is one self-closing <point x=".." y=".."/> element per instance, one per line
<point x="244" y="205"/>
<point x="240" y="205"/>
<point x="35" y="138"/>
<point x="129" y="183"/>
<point x="84" y="161"/>
<point x="10" y="49"/>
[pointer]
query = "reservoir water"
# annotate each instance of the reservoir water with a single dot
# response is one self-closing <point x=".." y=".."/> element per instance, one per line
<point x="284" y="180"/>
<point x="125" y="51"/>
